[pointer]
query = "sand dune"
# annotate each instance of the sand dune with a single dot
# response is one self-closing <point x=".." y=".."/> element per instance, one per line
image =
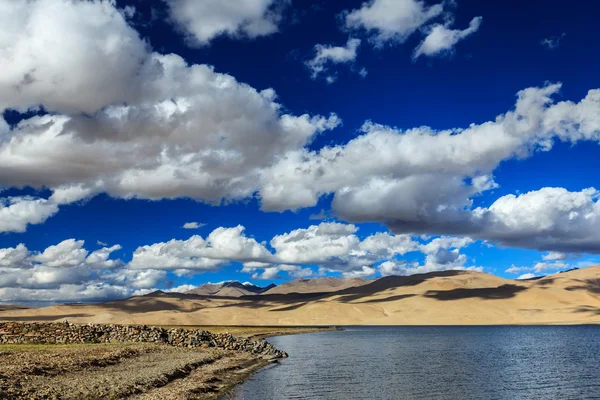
<point x="443" y="298"/>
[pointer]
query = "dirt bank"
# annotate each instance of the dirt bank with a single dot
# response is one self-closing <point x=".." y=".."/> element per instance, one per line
<point x="127" y="370"/>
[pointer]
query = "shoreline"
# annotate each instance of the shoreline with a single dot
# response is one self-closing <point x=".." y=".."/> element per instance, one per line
<point x="230" y="387"/>
<point x="132" y="362"/>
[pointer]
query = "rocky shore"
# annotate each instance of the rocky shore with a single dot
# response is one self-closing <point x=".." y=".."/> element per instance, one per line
<point x="67" y="333"/>
<point x="60" y="360"/>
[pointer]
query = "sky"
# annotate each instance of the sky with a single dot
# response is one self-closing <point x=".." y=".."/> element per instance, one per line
<point x="166" y="144"/>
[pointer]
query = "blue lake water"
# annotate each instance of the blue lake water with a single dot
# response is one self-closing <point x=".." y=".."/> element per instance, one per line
<point x="524" y="362"/>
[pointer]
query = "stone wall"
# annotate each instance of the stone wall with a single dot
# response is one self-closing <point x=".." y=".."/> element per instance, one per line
<point x="66" y="333"/>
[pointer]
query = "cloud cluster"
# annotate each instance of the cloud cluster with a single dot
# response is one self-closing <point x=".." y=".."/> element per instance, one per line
<point x="145" y="125"/>
<point x="424" y="181"/>
<point x="63" y="272"/>
<point x="221" y="247"/>
<point x="392" y="20"/>
<point x="150" y="125"/>
<point x="67" y="270"/>
<point x="202" y="21"/>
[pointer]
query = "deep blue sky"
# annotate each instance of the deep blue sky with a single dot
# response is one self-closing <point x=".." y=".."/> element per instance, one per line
<point x="475" y="83"/>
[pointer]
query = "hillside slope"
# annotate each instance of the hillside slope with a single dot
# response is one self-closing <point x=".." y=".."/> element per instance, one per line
<point x="317" y="285"/>
<point x="442" y="298"/>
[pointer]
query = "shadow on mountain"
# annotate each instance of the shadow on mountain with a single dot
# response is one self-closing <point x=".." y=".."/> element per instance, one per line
<point x="390" y="298"/>
<point x="588" y="310"/>
<point x="12" y="308"/>
<point x="289" y="308"/>
<point x="150" y="304"/>
<point x="500" y="292"/>
<point x="590" y="285"/>
<point x="245" y="304"/>
<point x="390" y="282"/>
<point x="289" y="297"/>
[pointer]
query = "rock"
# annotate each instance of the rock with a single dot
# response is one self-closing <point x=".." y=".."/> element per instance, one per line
<point x="67" y="333"/>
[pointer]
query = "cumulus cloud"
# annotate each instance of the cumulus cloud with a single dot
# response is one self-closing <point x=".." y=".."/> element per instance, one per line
<point x="391" y="20"/>
<point x="330" y="246"/>
<point x="441" y="39"/>
<point x="193" y="225"/>
<point x="68" y="272"/>
<point x="147" y="125"/>
<point x="18" y="212"/>
<point x="424" y="181"/>
<point x="326" y="55"/>
<point x="335" y="247"/>
<point x="61" y="271"/>
<point x="202" y="21"/>
<point x="441" y="254"/>
<point x="275" y="272"/>
<point x="66" y="263"/>
<point x="50" y="51"/>
<point x="364" y="272"/>
<point x="221" y="247"/>
<point x="542" y="267"/>
<point x="152" y="126"/>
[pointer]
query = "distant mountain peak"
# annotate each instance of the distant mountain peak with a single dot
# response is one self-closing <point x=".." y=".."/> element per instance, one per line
<point x="229" y="289"/>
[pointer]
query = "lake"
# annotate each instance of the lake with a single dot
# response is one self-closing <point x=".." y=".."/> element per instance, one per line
<point x="508" y="362"/>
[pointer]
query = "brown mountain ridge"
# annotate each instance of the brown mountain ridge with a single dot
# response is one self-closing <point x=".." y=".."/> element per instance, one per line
<point x="439" y="298"/>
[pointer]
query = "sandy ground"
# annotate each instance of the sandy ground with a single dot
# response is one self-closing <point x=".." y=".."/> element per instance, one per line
<point x="115" y="372"/>
<point x="446" y="298"/>
<point x="126" y="371"/>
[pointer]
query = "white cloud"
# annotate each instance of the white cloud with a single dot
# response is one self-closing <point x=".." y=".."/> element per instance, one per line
<point x="205" y="20"/>
<point x="222" y="246"/>
<point x="555" y="255"/>
<point x="392" y="20"/>
<point x="67" y="272"/>
<point x="18" y="212"/>
<point x="66" y="263"/>
<point x="526" y="276"/>
<point x="181" y="289"/>
<point x="63" y="270"/>
<point x="364" y="272"/>
<point x="50" y="51"/>
<point x="516" y="270"/>
<point x="326" y="55"/>
<point x="545" y="219"/>
<point x="546" y="266"/>
<point x="274" y="272"/>
<point x="152" y="126"/>
<point x="65" y="293"/>
<point x="335" y="247"/>
<point x="542" y="267"/>
<point x="193" y="225"/>
<point x="424" y="181"/>
<point x="441" y="39"/>
<point x="67" y="253"/>
<point x="552" y="42"/>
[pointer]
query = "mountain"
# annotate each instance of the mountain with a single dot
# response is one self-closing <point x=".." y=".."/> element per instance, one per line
<point x="438" y="298"/>
<point x="229" y="289"/>
<point x="317" y="285"/>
